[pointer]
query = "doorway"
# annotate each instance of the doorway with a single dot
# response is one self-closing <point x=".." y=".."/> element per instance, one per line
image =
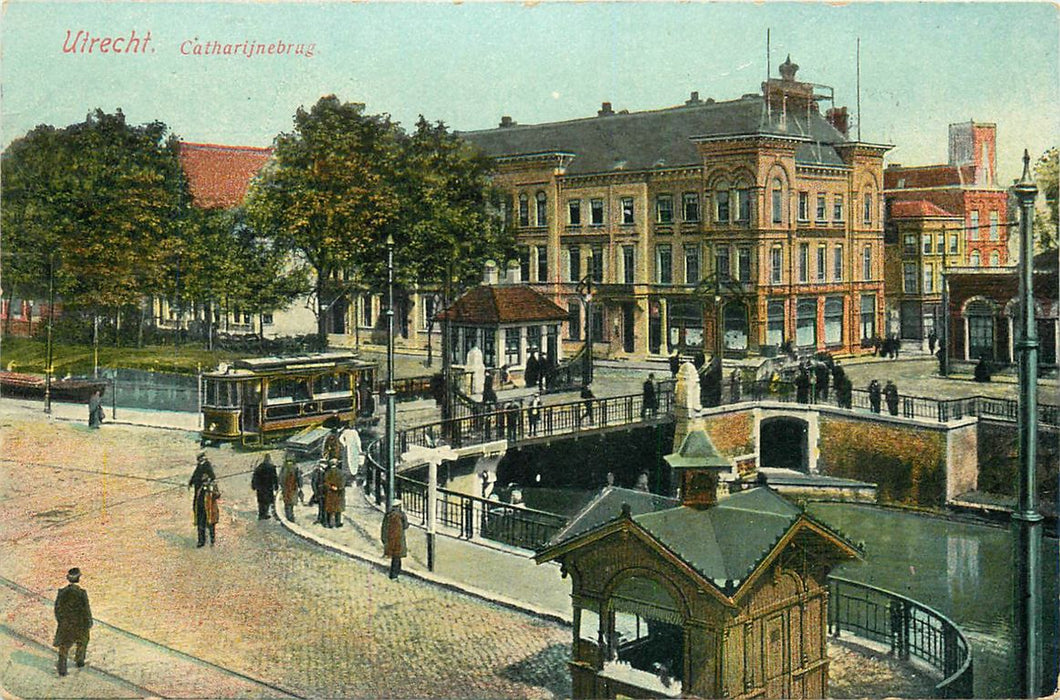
<point x="784" y="444"/>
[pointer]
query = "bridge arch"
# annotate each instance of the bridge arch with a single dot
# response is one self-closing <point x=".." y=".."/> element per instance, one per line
<point x="784" y="443"/>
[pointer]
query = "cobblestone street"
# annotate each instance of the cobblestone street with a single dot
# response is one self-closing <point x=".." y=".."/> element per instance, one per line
<point x="260" y="614"/>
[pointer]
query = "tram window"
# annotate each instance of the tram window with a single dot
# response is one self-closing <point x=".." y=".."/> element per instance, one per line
<point x="285" y="390"/>
<point x="222" y="394"/>
<point x="331" y="384"/>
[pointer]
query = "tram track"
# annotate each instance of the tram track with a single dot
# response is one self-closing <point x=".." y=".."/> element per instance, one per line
<point x="140" y="639"/>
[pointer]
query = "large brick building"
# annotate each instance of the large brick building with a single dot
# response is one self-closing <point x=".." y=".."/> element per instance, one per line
<point x="965" y="187"/>
<point x="740" y="224"/>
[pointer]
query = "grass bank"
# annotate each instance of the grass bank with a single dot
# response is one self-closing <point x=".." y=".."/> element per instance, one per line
<point x="27" y="355"/>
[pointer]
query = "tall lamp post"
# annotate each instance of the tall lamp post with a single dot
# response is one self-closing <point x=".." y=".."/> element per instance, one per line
<point x="1027" y="518"/>
<point x="48" y="351"/>
<point x="585" y="289"/>
<point x="390" y="410"/>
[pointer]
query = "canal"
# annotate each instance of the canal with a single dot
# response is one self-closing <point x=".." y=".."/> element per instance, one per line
<point x="963" y="570"/>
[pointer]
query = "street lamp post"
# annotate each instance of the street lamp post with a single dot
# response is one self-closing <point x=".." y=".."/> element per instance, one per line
<point x="585" y="288"/>
<point x="391" y="413"/>
<point x="1027" y="518"/>
<point x="48" y="350"/>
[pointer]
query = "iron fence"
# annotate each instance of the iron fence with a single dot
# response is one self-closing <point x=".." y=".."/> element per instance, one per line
<point x="907" y="628"/>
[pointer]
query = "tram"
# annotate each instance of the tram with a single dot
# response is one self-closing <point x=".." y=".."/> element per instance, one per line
<point x="259" y="400"/>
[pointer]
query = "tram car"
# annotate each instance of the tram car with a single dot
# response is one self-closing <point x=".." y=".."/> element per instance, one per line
<point x="260" y="400"/>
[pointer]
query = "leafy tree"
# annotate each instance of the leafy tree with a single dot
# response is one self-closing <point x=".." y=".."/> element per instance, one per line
<point x="93" y="208"/>
<point x="343" y="181"/>
<point x="329" y="192"/>
<point x="1045" y="222"/>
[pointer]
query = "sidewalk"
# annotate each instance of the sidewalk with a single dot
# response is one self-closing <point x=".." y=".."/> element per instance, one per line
<point x="488" y="571"/>
<point x="78" y="413"/>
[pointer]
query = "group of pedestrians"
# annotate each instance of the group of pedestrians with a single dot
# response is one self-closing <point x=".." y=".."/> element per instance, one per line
<point x="817" y="379"/>
<point x="889" y="393"/>
<point x="537" y="369"/>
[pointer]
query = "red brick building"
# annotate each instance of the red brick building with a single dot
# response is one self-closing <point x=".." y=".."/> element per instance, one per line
<point x="984" y="311"/>
<point x="966" y="187"/>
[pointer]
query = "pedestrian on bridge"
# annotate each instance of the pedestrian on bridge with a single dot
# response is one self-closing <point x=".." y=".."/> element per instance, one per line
<point x="265" y="483"/>
<point x="291" y="486"/>
<point x="874" y="395"/>
<point x="533" y="367"/>
<point x="802" y="385"/>
<point x="891" y="393"/>
<point x="649" y="402"/>
<point x="587" y="397"/>
<point x="74" y="617"/>
<point x="533" y="413"/>
<point x="822" y="373"/>
<point x="393" y="535"/>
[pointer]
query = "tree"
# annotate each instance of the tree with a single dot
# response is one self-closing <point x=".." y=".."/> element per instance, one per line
<point x="1045" y="222"/>
<point x="343" y="181"/>
<point x="329" y="192"/>
<point x="93" y="207"/>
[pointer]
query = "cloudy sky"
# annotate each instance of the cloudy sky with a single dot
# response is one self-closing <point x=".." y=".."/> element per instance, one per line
<point x="923" y="65"/>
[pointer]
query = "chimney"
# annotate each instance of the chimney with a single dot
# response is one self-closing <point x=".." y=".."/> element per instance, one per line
<point x="694" y="99"/>
<point x="605" y="110"/>
<point x="514" y="273"/>
<point x="839" y="118"/>
<point x="489" y="275"/>
<point x="506" y="122"/>
<point x="699" y="468"/>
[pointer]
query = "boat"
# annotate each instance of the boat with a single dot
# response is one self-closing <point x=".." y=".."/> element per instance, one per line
<point x="31" y="386"/>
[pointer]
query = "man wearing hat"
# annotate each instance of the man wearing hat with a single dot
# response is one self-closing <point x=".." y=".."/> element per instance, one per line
<point x="393" y="535"/>
<point x="74" y="616"/>
<point x="204" y="500"/>
<point x="334" y="495"/>
<point x="265" y="483"/>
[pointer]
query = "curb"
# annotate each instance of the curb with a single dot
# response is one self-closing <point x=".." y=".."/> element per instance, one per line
<point x="426" y="576"/>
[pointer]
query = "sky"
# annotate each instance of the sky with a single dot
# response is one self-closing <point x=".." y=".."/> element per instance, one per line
<point x="923" y="65"/>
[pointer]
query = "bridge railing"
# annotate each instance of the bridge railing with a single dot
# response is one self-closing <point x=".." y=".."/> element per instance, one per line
<point x="464" y="516"/>
<point x="907" y="627"/>
<point x="942" y="410"/>
<point x="516" y="423"/>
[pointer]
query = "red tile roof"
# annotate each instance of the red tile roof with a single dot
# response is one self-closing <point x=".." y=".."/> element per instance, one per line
<point x="928" y="176"/>
<point x="218" y="176"/>
<point x="493" y="305"/>
<point x="917" y="209"/>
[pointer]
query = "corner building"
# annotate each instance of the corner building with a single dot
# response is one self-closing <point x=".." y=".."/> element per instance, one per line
<point x="716" y="226"/>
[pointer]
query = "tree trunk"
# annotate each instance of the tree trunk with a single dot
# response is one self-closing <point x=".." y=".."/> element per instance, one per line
<point x="261" y="332"/>
<point x="140" y="329"/>
<point x="117" y="327"/>
<point x="322" y="317"/>
<point x="209" y="325"/>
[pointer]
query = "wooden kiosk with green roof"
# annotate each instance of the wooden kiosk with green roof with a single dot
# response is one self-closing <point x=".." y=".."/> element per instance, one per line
<point x="698" y="597"/>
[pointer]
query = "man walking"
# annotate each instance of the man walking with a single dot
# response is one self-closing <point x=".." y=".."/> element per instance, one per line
<point x="95" y="410"/>
<point x="74" y="618"/>
<point x="890" y="392"/>
<point x="393" y="535"/>
<point x="202" y="479"/>
<point x="587" y="397"/>
<point x="291" y="485"/>
<point x="533" y="413"/>
<point x="265" y="483"/>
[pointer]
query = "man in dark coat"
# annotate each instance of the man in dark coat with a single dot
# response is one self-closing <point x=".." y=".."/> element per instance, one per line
<point x="587" y="397"/>
<point x="891" y="393"/>
<point x="802" y="386"/>
<point x="265" y="483"/>
<point x="393" y="535"/>
<point x="821" y="370"/>
<point x="675" y="364"/>
<point x="874" y="396"/>
<point x="933" y="338"/>
<point x="200" y="479"/>
<point x="74" y="618"/>
<point x="533" y="367"/>
<point x="316" y="482"/>
<point x="648" y="400"/>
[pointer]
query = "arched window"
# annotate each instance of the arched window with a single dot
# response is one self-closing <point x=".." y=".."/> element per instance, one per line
<point x="778" y="201"/>
<point x="542" y="209"/>
<point x="974" y="258"/>
<point x="524" y="210"/>
<point x="722" y="213"/>
<point x="995" y="259"/>
<point x="866" y="207"/>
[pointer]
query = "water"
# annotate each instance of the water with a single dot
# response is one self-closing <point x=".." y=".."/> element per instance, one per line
<point x="158" y="391"/>
<point x="964" y="571"/>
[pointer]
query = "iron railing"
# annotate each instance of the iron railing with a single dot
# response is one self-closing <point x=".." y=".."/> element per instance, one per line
<point x="907" y="628"/>
<point x="942" y="410"/>
<point x="464" y="516"/>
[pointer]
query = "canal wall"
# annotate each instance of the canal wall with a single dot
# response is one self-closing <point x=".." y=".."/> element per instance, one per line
<point x="913" y="462"/>
<point x="999" y="462"/>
